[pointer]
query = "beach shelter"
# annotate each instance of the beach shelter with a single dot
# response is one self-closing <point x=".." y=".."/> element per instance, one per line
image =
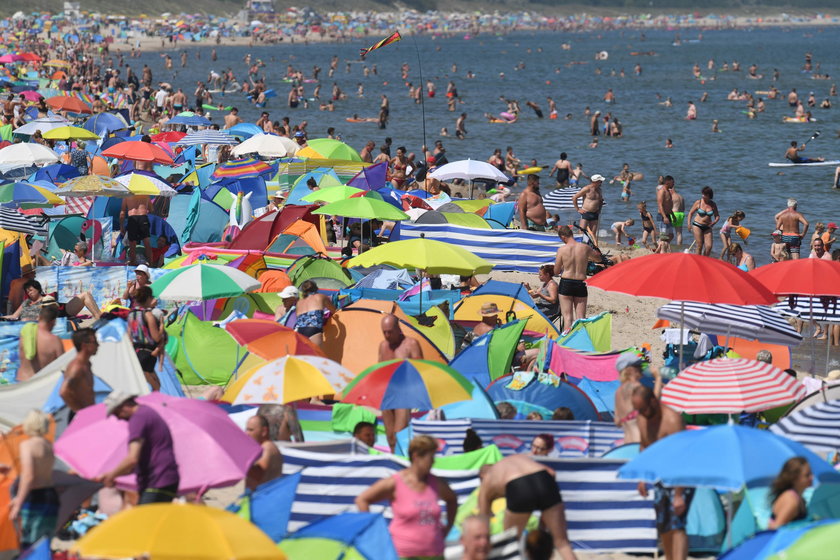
<point x="370" y="178"/>
<point x="346" y="536"/>
<point x="203" y="354"/>
<point x="197" y="220"/>
<point x="273" y="281"/>
<point x="530" y="393"/>
<point x="514" y="302"/>
<point x="352" y="337"/>
<point x="260" y="232"/>
<point x="325" y="272"/>
<point x="490" y="355"/>
<point x="269" y="506"/>
<point x="300" y="238"/>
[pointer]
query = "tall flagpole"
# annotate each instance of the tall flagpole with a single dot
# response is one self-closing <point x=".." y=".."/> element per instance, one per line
<point x="422" y="97"/>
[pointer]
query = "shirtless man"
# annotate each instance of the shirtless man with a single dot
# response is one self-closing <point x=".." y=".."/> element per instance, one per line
<point x="792" y="154"/>
<point x="665" y="205"/>
<point x="593" y="201"/>
<point x="48" y="347"/>
<point x="532" y="213"/>
<point x="629" y="366"/>
<point x="527" y="486"/>
<point x="77" y="387"/>
<point x="134" y="219"/>
<point x="657" y="421"/>
<point x="396" y="346"/>
<point x="232" y="119"/>
<point x="460" y="129"/>
<point x="570" y="263"/>
<point x="678" y="206"/>
<point x="563" y="169"/>
<point x="367" y="152"/>
<point x="270" y="464"/>
<point x="788" y="221"/>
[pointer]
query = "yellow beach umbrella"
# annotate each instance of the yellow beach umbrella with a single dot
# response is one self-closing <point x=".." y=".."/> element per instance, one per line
<point x="288" y="379"/>
<point x="55" y="63"/>
<point x="176" y="531"/>
<point x="70" y="133"/>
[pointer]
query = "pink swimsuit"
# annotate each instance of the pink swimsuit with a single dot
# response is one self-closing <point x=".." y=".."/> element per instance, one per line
<point x="416" y="528"/>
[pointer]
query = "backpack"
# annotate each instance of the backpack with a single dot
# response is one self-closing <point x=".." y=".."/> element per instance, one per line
<point x="139" y="331"/>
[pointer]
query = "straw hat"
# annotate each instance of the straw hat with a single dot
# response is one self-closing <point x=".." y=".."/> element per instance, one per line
<point x="833" y="375"/>
<point x="489" y="310"/>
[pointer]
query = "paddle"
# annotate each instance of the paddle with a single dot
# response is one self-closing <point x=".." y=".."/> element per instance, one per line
<point x="813" y="136"/>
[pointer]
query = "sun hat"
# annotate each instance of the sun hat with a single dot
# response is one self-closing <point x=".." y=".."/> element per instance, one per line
<point x="598" y="177"/>
<point x="628" y="359"/>
<point x="489" y="310"/>
<point x="289" y="292"/>
<point x="831" y="225"/>
<point x="142" y="268"/>
<point x="116" y="399"/>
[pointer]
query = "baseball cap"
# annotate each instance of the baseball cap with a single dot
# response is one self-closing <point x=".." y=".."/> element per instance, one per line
<point x="114" y="400"/>
<point x="299" y="134"/>
<point x="142" y="268"/>
<point x="831" y="225"/>
<point x="626" y="360"/>
<point x="598" y="177"/>
<point x="289" y="292"/>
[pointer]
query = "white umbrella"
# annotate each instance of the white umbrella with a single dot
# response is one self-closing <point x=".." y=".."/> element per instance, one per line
<point x="44" y="124"/>
<point x="27" y="154"/>
<point x="267" y="145"/>
<point x="207" y="137"/>
<point x="469" y="170"/>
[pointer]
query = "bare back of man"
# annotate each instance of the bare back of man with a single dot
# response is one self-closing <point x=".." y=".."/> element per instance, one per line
<point x="77" y="387"/>
<point x="134" y="217"/>
<point x="789" y="220"/>
<point x="528" y="486"/>
<point x="571" y="263"/>
<point x="396" y="346"/>
<point x="270" y="466"/>
<point x="48" y="348"/>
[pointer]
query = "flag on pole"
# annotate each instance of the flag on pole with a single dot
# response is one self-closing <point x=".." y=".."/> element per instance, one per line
<point x="383" y="43"/>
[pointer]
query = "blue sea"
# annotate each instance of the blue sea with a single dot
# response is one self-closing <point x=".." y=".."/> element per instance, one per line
<point x="532" y="66"/>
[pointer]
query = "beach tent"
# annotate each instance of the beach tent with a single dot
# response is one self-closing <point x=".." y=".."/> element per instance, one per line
<point x="346" y="536"/>
<point x="479" y="406"/>
<point x="197" y="220"/>
<point x="273" y="281"/>
<point x="489" y="357"/>
<point x="510" y="298"/>
<point x="352" y="338"/>
<point x="501" y="214"/>
<point x="327" y="273"/>
<point x="386" y="279"/>
<point x="269" y="505"/>
<point x="535" y="395"/>
<point x="300" y="238"/>
<point x="370" y="178"/>
<point x="602" y="394"/>
<point x="224" y="192"/>
<point x="260" y="232"/>
<point x="203" y="354"/>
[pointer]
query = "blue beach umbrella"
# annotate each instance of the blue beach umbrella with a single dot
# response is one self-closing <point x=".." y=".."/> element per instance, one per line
<point x="104" y="123"/>
<point x="189" y="119"/>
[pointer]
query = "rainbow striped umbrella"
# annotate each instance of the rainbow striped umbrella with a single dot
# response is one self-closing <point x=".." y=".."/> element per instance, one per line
<point x="420" y="384"/>
<point x="239" y="168"/>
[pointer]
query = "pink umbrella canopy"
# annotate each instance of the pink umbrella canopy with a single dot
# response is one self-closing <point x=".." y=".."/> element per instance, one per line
<point x="731" y="386"/>
<point x="211" y="450"/>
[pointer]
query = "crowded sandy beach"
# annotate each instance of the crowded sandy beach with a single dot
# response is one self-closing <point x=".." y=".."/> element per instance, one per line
<point x="395" y="286"/>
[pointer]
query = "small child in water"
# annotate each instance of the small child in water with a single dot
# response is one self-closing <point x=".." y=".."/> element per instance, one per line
<point x="620" y="229"/>
<point x="626" y="192"/>
<point x="778" y="249"/>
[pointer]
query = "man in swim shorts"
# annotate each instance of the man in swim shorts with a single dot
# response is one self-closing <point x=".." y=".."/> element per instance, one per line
<point x="593" y="201"/>
<point x="792" y="154"/>
<point x="788" y="220"/>
<point x="665" y="205"/>
<point x="571" y="263"/>
<point x="134" y="222"/>
<point x="532" y="213"/>
<point x="527" y="486"/>
<point x="678" y="211"/>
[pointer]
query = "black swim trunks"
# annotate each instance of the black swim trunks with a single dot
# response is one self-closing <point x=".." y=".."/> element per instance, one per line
<point x="666" y="519"/>
<point x="138" y="228"/>
<point x="590" y="216"/>
<point x="533" y="492"/>
<point x="573" y="288"/>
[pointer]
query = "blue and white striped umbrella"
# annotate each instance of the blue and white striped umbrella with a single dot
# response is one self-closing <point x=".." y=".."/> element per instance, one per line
<point x="807" y="308"/>
<point x="561" y="199"/>
<point x="814" y="427"/>
<point x="753" y="322"/>
<point x="207" y="137"/>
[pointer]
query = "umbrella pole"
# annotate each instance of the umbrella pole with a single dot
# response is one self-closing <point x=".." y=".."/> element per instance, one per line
<point x="421" y="292"/>
<point x="828" y="327"/>
<point x="813" y="364"/>
<point x="729" y="521"/>
<point x="682" y="329"/>
<point x="726" y="344"/>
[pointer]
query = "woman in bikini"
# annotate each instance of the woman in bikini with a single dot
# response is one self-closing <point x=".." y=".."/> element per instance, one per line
<point x="310" y="312"/>
<point x="398" y="168"/>
<point x="647" y="222"/>
<point x="702" y="217"/>
<point x="740" y="258"/>
<point x="786" y="492"/>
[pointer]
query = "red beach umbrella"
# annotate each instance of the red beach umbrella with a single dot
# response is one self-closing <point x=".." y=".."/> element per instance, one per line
<point x="138" y="151"/>
<point x="807" y="277"/>
<point x="731" y="386"/>
<point x="70" y="104"/>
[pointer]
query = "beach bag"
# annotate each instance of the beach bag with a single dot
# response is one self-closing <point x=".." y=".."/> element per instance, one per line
<point x="138" y="330"/>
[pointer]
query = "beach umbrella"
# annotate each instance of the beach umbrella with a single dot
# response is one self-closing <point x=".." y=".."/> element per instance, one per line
<point x="240" y="168"/>
<point x="757" y="322"/>
<point x="368" y="206"/>
<point x="202" y="282"/>
<point x="433" y="257"/>
<point x="211" y="450"/>
<point x="331" y="194"/>
<point x="138" y="151"/>
<point x="327" y="148"/>
<point x="55" y="173"/>
<point x="12" y="220"/>
<point x="215" y="137"/>
<point x="244" y="130"/>
<point x="468" y="170"/>
<point x="814" y="427"/>
<point x="9" y="58"/>
<point x="726" y="457"/>
<point x="421" y="384"/>
<point x="105" y="123"/>
<point x="173" y="531"/>
<point x="70" y="133"/>
<point x="148" y="184"/>
<point x="25" y="154"/>
<point x="27" y="195"/>
<point x="56" y="63"/>
<point x="44" y="124"/>
<point x="731" y="386"/>
<point x="288" y="379"/>
<point x="69" y="104"/>
<point x="270" y="340"/>
<point x="92" y="185"/>
<point x="168" y="136"/>
<point x="819" y="543"/>
<point x="189" y="118"/>
<point x="267" y="145"/>
<point x="765" y="544"/>
<point x="346" y="536"/>
<point x="806" y="277"/>
<point x="31" y="95"/>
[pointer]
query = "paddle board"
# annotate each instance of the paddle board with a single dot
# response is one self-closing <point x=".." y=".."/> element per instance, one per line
<point x="812" y="164"/>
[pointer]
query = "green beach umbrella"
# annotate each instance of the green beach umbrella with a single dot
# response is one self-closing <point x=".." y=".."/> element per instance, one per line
<point x="331" y="194"/>
<point x="327" y="148"/>
<point x="820" y="543"/>
<point x="433" y="257"/>
<point x="369" y="206"/>
<point x="202" y="282"/>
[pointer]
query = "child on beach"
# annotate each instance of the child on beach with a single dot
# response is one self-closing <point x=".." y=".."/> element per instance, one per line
<point x="778" y="249"/>
<point x="647" y="223"/>
<point x="664" y="244"/>
<point x="620" y="229"/>
<point x="732" y="221"/>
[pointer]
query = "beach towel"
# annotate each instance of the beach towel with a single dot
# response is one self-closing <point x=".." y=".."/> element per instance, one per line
<point x="29" y="340"/>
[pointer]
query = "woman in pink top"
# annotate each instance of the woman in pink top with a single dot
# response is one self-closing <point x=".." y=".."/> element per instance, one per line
<point x="415" y="493"/>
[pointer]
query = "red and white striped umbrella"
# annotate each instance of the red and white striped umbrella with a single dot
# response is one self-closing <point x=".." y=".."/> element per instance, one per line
<point x="731" y="386"/>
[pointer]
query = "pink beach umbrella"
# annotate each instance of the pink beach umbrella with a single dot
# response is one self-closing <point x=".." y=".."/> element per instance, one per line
<point x="211" y="450"/>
